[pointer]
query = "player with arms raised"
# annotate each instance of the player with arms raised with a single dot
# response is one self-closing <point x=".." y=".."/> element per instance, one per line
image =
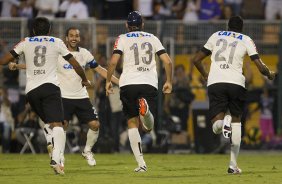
<point x="41" y="54"/>
<point x="139" y="80"/>
<point x="226" y="82"/>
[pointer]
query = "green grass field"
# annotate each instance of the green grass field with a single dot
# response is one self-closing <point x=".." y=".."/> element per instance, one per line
<point x="258" y="168"/>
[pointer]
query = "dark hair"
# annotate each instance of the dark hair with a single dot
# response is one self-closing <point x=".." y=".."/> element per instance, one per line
<point x="134" y="20"/>
<point x="41" y="26"/>
<point x="70" y="28"/>
<point x="235" y="23"/>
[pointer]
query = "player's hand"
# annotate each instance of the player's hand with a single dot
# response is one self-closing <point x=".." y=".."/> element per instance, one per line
<point x="86" y="83"/>
<point x="12" y="66"/>
<point x="271" y="75"/>
<point x="167" y="88"/>
<point x="109" y="88"/>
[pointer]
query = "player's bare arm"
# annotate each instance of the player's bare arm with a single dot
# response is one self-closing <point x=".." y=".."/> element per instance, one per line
<point x="167" y="88"/>
<point x="197" y="61"/>
<point x="103" y="72"/>
<point x="111" y="68"/>
<point x="7" y="58"/>
<point x="79" y="70"/>
<point x="264" y="70"/>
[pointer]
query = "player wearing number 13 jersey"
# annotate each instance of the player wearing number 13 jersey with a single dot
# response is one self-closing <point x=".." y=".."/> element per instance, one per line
<point x="226" y="82"/>
<point x="138" y="81"/>
<point x="41" y="54"/>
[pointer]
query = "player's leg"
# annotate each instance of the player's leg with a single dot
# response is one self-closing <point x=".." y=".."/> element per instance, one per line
<point x="129" y="99"/>
<point x="147" y="106"/>
<point x="87" y="113"/>
<point x="218" y="106"/>
<point x="53" y="111"/>
<point x="237" y="95"/>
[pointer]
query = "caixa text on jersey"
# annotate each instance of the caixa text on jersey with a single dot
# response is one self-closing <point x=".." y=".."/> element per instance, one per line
<point x="38" y="72"/>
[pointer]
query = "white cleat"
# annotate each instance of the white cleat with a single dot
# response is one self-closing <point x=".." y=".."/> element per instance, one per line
<point x="141" y="169"/>
<point x="226" y="128"/>
<point x="57" y="168"/>
<point x="89" y="157"/>
<point x="234" y="170"/>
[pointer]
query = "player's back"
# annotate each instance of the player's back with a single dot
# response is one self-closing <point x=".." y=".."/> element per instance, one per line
<point x="228" y="52"/>
<point x="139" y="63"/>
<point x="41" y="57"/>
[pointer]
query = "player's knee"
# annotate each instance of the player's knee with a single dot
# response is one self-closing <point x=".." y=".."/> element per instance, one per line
<point x="94" y="125"/>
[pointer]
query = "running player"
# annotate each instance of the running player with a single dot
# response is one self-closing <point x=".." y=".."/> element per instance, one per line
<point x="41" y="54"/>
<point x="139" y="80"/>
<point x="226" y="82"/>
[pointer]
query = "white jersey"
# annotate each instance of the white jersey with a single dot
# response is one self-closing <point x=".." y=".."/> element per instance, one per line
<point x="41" y="56"/>
<point x="70" y="82"/>
<point x="139" y="63"/>
<point x="228" y="51"/>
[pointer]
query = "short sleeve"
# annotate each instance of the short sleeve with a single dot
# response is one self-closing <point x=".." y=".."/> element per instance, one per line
<point x="158" y="45"/>
<point x="251" y="47"/>
<point x="118" y="46"/>
<point x="210" y="43"/>
<point x="88" y="56"/>
<point x="18" y="49"/>
<point x="63" y="50"/>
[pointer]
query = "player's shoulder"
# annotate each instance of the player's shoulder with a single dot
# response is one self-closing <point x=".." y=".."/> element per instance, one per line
<point x="84" y="51"/>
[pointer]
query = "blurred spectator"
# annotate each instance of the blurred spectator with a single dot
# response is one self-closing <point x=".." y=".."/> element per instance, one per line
<point x="226" y="12"/>
<point x="181" y="96"/>
<point x="235" y="5"/>
<point x="191" y="11"/>
<point x="47" y="8"/>
<point x="249" y="12"/>
<point x="6" y="121"/>
<point x="273" y="9"/>
<point x="166" y="9"/>
<point x="117" y="9"/>
<point x="209" y="10"/>
<point x="7" y="7"/>
<point x="145" y="7"/>
<point x="28" y="122"/>
<point x="26" y="9"/>
<point x="74" y="9"/>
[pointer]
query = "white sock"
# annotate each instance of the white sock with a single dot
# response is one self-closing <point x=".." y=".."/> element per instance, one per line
<point x="47" y="133"/>
<point x="62" y="157"/>
<point x="59" y="140"/>
<point x="235" y="143"/>
<point x="92" y="137"/>
<point x="217" y="126"/>
<point x="135" y="143"/>
<point x="148" y="120"/>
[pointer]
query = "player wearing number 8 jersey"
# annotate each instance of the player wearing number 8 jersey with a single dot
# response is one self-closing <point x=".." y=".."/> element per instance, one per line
<point x="138" y="81"/>
<point x="41" y="54"/>
<point x="226" y="82"/>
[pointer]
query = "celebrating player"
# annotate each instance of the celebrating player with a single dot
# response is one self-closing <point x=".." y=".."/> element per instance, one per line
<point x="226" y="82"/>
<point x="139" y="80"/>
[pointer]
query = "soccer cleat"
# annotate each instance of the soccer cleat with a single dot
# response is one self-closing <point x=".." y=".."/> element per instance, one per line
<point x="141" y="169"/>
<point x="143" y="106"/>
<point x="57" y="168"/>
<point x="234" y="170"/>
<point x="50" y="149"/>
<point x="226" y="128"/>
<point x="89" y="157"/>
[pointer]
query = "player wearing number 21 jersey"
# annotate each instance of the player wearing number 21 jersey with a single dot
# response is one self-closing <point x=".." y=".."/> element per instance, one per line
<point x="226" y="82"/>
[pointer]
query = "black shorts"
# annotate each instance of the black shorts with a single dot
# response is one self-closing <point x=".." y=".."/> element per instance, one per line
<point x="46" y="102"/>
<point x="82" y="108"/>
<point x="224" y="96"/>
<point x="130" y="94"/>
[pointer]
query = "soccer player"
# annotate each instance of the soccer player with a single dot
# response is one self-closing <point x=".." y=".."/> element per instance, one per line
<point x="75" y="98"/>
<point x="41" y="54"/>
<point x="139" y="80"/>
<point x="226" y="82"/>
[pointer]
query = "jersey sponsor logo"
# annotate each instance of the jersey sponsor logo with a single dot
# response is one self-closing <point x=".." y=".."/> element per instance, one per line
<point x="137" y="35"/>
<point x="35" y="39"/>
<point x="231" y="34"/>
